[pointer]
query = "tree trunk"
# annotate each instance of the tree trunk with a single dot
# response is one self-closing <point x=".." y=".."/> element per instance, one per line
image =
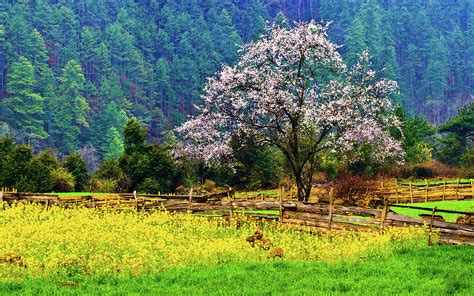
<point x="300" y="187"/>
<point x="304" y="188"/>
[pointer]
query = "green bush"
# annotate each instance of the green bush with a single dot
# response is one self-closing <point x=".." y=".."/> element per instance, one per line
<point x="63" y="180"/>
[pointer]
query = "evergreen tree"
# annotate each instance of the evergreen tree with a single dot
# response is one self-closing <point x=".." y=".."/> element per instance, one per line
<point x="435" y="80"/>
<point x="24" y="109"/>
<point x="115" y="144"/>
<point x="70" y="109"/>
<point x="355" y="41"/>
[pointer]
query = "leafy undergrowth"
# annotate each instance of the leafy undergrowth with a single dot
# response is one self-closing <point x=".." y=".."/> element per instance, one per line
<point x="455" y="205"/>
<point x="36" y="243"/>
<point x="442" y="270"/>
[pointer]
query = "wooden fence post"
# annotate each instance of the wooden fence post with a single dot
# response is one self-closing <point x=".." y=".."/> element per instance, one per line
<point x="457" y="189"/>
<point x="444" y="189"/>
<point x="383" y="215"/>
<point x="231" y="207"/>
<point x="136" y="199"/>
<point x="411" y="192"/>
<point x="426" y="190"/>
<point x="472" y="188"/>
<point x="331" y="192"/>
<point x="190" y="200"/>
<point x="433" y="211"/>
<point x="281" y="205"/>
<point x="396" y="188"/>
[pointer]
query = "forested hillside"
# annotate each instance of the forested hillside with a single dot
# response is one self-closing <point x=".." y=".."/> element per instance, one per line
<point x="72" y="72"/>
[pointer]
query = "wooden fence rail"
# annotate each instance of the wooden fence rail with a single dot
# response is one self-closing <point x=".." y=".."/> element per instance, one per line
<point x="423" y="192"/>
<point x="315" y="215"/>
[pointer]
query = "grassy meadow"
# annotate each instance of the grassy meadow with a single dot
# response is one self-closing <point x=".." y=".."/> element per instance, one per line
<point x="454" y="205"/>
<point x="442" y="270"/>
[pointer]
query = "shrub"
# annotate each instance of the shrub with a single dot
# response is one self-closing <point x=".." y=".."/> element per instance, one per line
<point x="104" y="185"/>
<point x="78" y="168"/>
<point x="209" y="185"/>
<point x="63" y="180"/>
<point x="149" y="185"/>
<point x="349" y="186"/>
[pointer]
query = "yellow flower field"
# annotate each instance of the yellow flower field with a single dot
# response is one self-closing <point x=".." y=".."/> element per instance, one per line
<point x="35" y="243"/>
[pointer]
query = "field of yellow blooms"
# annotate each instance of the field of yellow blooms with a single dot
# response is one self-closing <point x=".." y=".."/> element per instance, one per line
<point x="40" y="243"/>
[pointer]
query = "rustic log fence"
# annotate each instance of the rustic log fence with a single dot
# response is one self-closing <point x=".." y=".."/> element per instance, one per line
<point x="314" y="215"/>
<point x="415" y="192"/>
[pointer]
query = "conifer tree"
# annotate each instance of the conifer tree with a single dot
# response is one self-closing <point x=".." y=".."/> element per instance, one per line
<point x="70" y="109"/>
<point x="24" y="109"/>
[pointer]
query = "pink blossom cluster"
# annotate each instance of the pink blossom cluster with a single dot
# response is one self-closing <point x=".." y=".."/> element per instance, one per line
<point x="292" y="84"/>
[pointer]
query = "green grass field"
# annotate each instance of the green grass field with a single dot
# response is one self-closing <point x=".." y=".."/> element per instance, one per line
<point x="439" y="182"/>
<point x="442" y="270"/>
<point x="455" y="205"/>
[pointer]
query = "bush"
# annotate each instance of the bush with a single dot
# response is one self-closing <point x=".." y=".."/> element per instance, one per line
<point x="149" y="185"/>
<point x="431" y="169"/>
<point x="350" y="186"/>
<point x="104" y="185"/>
<point x="109" y="171"/>
<point x="78" y="168"/>
<point x="63" y="180"/>
<point x="209" y="186"/>
<point x="467" y="164"/>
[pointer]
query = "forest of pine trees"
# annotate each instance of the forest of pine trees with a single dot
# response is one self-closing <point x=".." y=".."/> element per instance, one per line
<point x="73" y="72"/>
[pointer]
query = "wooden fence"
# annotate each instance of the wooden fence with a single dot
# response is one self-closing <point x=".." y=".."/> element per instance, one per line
<point x="425" y="191"/>
<point x="315" y="215"/>
<point x="391" y="192"/>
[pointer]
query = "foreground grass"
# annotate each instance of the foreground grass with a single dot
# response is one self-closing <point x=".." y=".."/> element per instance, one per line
<point x="443" y="270"/>
<point x="455" y="205"/>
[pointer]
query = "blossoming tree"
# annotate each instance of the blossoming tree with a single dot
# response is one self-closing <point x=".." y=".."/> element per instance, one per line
<point x="291" y="89"/>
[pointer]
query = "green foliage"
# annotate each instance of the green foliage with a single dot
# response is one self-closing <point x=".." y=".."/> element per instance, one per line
<point x="24" y="109"/>
<point x="63" y="181"/>
<point x="70" y="109"/>
<point x="150" y="168"/>
<point x="416" y="135"/>
<point x="15" y="169"/>
<point x="109" y="177"/>
<point x="255" y="166"/>
<point x="75" y="165"/>
<point x="40" y="172"/>
<point x="135" y="136"/>
<point x="462" y="124"/>
<point x="115" y="147"/>
<point x="458" y="141"/>
<point x="152" y="59"/>
<point x="467" y="163"/>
